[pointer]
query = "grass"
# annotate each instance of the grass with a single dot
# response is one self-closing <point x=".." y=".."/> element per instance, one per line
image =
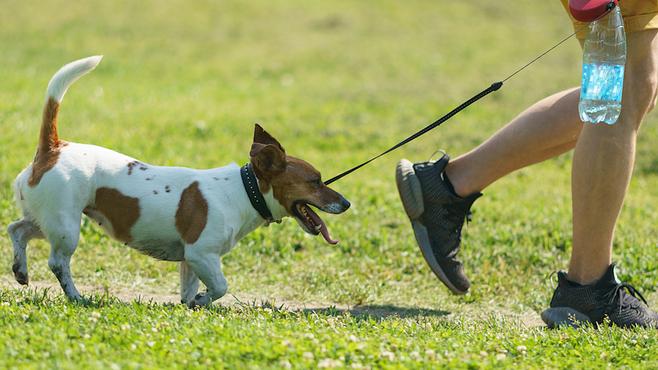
<point x="158" y="336"/>
<point x="336" y="83"/>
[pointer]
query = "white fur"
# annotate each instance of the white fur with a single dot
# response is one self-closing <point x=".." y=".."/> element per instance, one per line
<point x="82" y="169"/>
<point x="69" y="74"/>
<point x="54" y="207"/>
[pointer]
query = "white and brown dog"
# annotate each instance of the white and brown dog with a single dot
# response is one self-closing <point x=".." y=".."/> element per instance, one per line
<point x="170" y="213"/>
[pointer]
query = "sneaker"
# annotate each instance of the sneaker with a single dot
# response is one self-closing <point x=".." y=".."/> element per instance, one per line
<point x="574" y="304"/>
<point x="437" y="216"/>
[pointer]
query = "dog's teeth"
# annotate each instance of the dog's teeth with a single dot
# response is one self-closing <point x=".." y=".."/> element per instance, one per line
<point x="318" y="227"/>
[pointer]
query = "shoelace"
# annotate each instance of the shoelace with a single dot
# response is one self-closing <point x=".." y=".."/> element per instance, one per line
<point x="458" y="216"/>
<point x="625" y="300"/>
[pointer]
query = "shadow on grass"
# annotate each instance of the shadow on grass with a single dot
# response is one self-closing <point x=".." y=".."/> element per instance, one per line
<point x="361" y="311"/>
<point x="379" y="311"/>
<point x="46" y="296"/>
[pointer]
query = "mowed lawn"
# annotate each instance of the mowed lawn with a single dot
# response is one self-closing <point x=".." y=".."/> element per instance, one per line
<point x="182" y="83"/>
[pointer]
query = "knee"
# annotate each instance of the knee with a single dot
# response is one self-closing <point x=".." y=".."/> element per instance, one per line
<point x="647" y="90"/>
<point x="652" y="100"/>
<point x="640" y="96"/>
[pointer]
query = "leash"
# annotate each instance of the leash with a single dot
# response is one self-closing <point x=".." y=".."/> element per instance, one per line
<point x="494" y="87"/>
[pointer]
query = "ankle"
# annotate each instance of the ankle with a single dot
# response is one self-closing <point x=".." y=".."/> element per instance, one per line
<point x="585" y="276"/>
<point x="456" y="182"/>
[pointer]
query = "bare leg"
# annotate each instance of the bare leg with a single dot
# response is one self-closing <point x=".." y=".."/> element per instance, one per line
<point x="548" y="128"/>
<point x="603" y="163"/>
<point x="603" y="159"/>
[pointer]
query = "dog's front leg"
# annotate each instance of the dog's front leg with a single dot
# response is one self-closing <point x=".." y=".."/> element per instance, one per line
<point x="189" y="283"/>
<point x="206" y="265"/>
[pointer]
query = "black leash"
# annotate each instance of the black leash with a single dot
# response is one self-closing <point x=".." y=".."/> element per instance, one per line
<point x="494" y="87"/>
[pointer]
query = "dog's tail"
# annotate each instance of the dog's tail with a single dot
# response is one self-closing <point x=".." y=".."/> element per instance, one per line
<point x="57" y="87"/>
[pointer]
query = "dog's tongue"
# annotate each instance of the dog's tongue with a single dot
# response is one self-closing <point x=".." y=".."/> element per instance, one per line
<point x="323" y="227"/>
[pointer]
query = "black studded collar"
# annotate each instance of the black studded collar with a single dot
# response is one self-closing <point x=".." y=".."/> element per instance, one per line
<point x="254" y="194"/>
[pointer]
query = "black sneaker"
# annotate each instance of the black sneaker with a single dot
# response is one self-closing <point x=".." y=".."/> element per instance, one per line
<point x="574" y="304"/>
<point x="437" y="215"/>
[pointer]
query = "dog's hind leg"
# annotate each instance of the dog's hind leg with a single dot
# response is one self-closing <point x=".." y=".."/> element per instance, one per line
<point x="63" y="235"/>
<point x="189" y="283"/>
<point x="21" y="232"/>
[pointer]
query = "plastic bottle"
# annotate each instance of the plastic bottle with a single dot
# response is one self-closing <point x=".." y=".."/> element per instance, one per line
<point x="604" y="58"/>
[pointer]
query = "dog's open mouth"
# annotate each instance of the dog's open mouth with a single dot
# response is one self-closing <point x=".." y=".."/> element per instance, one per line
<point x="312" y="223"/>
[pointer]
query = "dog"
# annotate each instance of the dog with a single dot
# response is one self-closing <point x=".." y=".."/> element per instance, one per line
<point x="170" y="213"/>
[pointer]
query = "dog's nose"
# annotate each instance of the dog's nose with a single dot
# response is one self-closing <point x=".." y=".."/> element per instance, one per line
<point x="345" y="204"/>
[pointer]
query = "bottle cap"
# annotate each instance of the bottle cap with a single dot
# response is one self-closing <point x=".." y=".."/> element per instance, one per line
<point x="590" y="10"/>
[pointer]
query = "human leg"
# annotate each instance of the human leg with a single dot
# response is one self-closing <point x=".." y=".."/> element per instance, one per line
<point x="437" y="207"/>
<point x="602" y="168"/>
<point x="548" y="128"/>
<point x="603" y="163"/>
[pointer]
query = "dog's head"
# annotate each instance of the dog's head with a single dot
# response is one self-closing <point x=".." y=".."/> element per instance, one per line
<point x="295" y="184"/>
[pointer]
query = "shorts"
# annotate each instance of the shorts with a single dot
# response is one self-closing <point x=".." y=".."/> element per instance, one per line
<point x="638" y="15"/>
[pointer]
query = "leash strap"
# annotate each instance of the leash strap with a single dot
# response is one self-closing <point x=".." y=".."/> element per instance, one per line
<point x="494" y="87"/>
<point x="255" y="196"/>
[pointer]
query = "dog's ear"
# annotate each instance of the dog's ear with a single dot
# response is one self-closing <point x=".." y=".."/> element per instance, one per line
<point x="263" y="137"/>
<point x="268" y="160"/>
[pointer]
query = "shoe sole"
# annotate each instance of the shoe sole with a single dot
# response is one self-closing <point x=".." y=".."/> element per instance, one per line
<point x="564" y="316"/>
<point x="411" y="195"/>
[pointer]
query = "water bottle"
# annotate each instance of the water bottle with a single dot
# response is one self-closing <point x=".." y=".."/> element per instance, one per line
<point x="604" y="58"/>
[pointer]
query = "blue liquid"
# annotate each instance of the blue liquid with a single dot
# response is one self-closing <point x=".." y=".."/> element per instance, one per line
<point x="600" y="94"/>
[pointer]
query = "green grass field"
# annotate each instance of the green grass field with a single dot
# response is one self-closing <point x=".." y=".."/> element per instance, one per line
<point x="182" y="83"/>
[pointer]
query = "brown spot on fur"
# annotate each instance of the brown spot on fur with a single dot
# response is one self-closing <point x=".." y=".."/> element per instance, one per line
<point x="192" y="213"/>
<point x="49" y="144"/>
<point x="297" y="182"/>
<point x="120" y="210"/>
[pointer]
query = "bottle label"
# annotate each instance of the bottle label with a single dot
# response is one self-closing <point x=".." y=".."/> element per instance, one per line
<point x="602" y="82"/>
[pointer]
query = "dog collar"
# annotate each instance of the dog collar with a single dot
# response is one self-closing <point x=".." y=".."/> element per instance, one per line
<point x="253" y="192"/>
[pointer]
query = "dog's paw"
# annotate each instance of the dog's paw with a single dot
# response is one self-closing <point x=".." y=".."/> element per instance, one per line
<point x="80" y="300"/>
<point x="21" y="276"/>
<point x="200" y="300"/>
